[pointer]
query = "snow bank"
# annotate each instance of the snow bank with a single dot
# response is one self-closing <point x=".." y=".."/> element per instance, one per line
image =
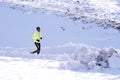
<point x="86" y="58"/>
<point x="71" y="56"/>
<point x="79" y="56"/>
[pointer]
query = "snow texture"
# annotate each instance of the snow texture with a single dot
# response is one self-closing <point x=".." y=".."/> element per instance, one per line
<point x="104" y="13"/>
<point x="69" y="61"/>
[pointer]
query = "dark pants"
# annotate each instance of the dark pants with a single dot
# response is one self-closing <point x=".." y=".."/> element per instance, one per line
<point x="38" y="48"/>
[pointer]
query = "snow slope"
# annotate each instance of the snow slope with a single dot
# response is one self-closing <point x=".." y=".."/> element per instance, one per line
<point x="105" y="13"/>
<point x="63" y="62"/>
<point x="18" y="64"/>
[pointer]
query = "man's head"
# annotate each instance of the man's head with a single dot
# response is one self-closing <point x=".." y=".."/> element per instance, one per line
<point x="38" y="29"/>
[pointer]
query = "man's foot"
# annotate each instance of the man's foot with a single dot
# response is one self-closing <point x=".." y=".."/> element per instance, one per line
<point x="37" y="53"/>
<point x="32" y="52"/>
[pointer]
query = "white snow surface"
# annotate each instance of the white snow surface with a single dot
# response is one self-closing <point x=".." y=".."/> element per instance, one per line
<point x="56" y="63"/>
<point x="105" y="13"/>
<point x="71" y="61"/>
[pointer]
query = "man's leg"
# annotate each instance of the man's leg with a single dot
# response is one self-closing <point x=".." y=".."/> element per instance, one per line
<point x="38" y="48"/>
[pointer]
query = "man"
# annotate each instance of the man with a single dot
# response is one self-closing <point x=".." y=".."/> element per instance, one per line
<point x="36" y="38"/>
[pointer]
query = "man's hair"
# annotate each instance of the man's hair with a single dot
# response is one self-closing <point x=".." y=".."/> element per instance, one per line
<point x="37" y="28"/>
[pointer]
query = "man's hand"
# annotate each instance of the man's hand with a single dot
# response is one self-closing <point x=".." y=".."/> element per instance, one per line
<point x="41" y="38"/>
<point x="37" y="40"/>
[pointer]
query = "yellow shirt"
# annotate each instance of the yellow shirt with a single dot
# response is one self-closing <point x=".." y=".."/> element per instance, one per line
<point x="36" y="36"/>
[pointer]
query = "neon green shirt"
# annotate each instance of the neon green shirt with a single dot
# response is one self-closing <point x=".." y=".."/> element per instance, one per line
<point x="36" y="36"/>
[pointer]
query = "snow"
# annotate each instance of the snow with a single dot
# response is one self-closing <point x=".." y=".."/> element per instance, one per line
<point x="105" y="13"/>
<point x="71" y="61"/>
<point x="19" y="64"/>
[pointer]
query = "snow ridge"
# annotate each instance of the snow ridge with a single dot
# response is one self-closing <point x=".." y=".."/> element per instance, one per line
<point x="71" y="56"/>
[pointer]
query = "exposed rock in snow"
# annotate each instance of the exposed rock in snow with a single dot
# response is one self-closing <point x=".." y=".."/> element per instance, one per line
<point x="86" y="58"/>
<point x="105" y="13"/>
